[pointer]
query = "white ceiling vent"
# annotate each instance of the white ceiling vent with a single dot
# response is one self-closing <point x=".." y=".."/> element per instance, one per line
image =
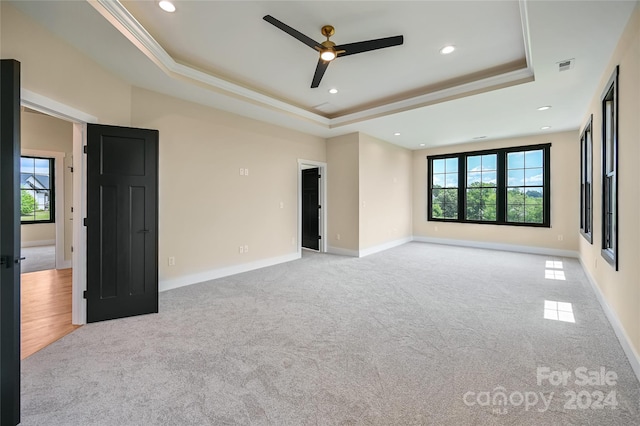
<point x="566" y="65"/>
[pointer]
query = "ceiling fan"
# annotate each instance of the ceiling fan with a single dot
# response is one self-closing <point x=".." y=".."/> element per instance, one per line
<point x="328" y="49"/>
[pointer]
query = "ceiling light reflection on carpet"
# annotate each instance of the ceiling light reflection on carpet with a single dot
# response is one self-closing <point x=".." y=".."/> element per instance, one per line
<point x="447" y="49"/>
<point x="167" y="6"/>
<point x="333" y="91"/>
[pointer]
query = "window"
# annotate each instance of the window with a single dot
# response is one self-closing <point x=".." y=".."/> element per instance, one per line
<point x="508" y="186"/>
<point x="36" y="190"/>
<point x="586" y="179"/>
<point x="444" y="186"/>
<point x="610" y="171"/>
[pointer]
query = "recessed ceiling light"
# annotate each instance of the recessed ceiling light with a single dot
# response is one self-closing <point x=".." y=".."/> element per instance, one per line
<point x="479" y="137"/>
<point x="545" y="127"/>
<point x="396" y="134"/>
<point x="447" y="49"/>
<point x="422" y="144"/>
<point x="167" y="6"/>
<point x="544" y="108"/>
<point x="333" y="91"/>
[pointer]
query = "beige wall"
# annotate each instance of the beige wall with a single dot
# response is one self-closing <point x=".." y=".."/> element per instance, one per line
<point x="621" y="289"/>
<point x="44" y="133"/>
<point x="343" y="192"/>
<point x="207" y="210"/>
<point x="52" y="68"/>
<point x="385" y="192"/>
<point x="564" y="198"/>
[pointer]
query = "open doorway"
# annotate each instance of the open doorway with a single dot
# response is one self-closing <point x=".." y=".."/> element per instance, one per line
<point x="46" y="188"/>
<point x="312" y="205"/>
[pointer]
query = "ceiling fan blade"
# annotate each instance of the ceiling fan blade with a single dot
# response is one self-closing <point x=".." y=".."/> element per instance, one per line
<point x="292" y="32"/>
<point x="320" y="69"/>
<point x="366" y="46"/>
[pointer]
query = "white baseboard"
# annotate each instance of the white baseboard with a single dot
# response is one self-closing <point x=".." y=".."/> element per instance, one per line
<point x="623" y="338"/>
<point x="64" y="265"/>
<point x="213" y="274"/>
<point x="342" y="251"/>
<point x="385" y="246"/>
<point x="38" y="243"/>
<point x="499" y="246"/>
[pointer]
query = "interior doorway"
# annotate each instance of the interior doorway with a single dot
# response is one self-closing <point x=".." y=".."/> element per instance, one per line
<point x="46" y="187"/>
<point x="312" y="205"/>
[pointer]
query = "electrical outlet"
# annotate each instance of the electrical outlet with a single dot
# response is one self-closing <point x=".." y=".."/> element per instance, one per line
<point x="560" y="237"/>
<point x="246" y="172"/>
<point x="241" y="171"/>
<point x="241" y="249"/>
<point x="281" y="204"/>
<point x="338" y="237"/>
<point x="435" y="228"/>
<point x="172" y="261"/>
<point x="246" y="248"/>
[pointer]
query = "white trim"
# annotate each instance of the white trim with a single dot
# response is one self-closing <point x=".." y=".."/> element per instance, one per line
<point x="343" y="252"/>
<point x="54" y="108"/>
<point x="322" y="195"/>
<point x="499" y="246"/>
<point x="79" y="279"/>
<point x="213" y="274"/>
<point x="622" y="335"/>
<point x="38" y="243"/>
<point x="59" y="198"/>
<point x="526" y="36"/>
<point x="385" y="246"/>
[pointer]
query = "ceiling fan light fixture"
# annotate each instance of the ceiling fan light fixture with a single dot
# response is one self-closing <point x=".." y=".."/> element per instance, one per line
<point x="327" y="54"/>
<point x="167" y="6"/>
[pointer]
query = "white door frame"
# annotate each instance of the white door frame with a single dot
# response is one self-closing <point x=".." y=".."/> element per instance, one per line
<point x="322" y="195"/>
<point x="79" y="258"/>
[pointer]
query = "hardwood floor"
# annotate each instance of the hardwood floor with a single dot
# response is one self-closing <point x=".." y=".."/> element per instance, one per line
<point x="46" y="309"/>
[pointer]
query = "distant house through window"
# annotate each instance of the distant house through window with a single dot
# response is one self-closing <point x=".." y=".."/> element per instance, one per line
<point x="37" y="190"/>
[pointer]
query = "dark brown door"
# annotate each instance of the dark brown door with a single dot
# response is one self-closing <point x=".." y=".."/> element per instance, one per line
<point x="310" y="209"/>
<point x="9" y="242"/>
<point x="122" y="222"/>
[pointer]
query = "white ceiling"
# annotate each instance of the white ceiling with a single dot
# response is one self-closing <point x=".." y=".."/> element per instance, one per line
<point x="222" y="54"/>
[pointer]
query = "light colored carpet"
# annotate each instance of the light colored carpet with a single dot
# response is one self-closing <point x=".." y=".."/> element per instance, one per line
<point x="39" y="258"/>
<point x="396" y="338"/>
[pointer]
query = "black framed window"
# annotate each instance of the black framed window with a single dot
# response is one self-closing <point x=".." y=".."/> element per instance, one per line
<point x="507" y="186"/>
<point x="444" y="188"/>
<point x="37" y="195"/>
<point x="586" y="181"/>
<point x="610" y="171"/>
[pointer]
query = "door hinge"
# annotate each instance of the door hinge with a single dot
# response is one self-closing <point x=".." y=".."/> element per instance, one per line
<point x="84" y="294"/>
<point x="84" y="221"/>
<point x="319" y="176"/>
<point x="71" y="249"/>
<point x="84" y="149"/>
<point x="319" y="206"/>
<point x="319" y="237"/>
